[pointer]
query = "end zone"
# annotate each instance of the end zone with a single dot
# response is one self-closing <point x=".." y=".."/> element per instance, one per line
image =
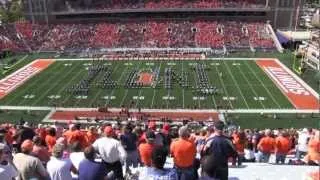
<point x="16" y="79"/>
<point x="301" y="95"/>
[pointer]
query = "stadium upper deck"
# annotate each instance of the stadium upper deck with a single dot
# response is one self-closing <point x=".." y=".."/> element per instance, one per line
<point x="72" y="6"/>
<point x="280" y="13"/>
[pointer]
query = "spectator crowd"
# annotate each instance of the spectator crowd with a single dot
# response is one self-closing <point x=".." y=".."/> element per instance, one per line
<point x="24" y="36"/>
<point x="134" y="151"/>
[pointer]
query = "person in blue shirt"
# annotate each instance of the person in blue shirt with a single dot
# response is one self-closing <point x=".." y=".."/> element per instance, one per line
<point x="89" y="169"/>
<point x="157" y="170"/>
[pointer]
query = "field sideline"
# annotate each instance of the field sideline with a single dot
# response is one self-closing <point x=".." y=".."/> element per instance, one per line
<point x="241" y="85"/>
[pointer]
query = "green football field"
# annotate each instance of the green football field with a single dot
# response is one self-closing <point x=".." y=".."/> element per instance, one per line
<point x="231" y="84"/>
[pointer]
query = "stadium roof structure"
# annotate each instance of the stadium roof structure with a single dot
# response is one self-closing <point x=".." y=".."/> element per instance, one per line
<point x="294" y="35"/>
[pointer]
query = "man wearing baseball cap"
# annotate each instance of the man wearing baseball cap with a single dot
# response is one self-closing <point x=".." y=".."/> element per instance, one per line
<point x="111" y="152"/>
<point x="29" y="166"/>
<point x="220" y="148"/>
<point x="145" y="149"/>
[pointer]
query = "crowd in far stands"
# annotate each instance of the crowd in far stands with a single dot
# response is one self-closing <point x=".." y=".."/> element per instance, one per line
<point x="157" y="4"/>
<point x="116" y="151"/>
<point x="136" y="34"/>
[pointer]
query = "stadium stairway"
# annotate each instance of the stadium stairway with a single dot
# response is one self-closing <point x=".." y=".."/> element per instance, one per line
<point x="274" y="37"/>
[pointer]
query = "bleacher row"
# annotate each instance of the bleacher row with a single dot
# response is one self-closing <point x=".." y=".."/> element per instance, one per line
<point x="157" y="4"/>
<point x="136" y="34"/>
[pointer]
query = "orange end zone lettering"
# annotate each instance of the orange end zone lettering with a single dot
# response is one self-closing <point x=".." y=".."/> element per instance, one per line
<point x="298" y="92"/>
<point x="16" y="79"/>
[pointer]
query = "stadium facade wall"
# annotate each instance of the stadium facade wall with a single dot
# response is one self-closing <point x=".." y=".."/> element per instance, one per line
<point x="280" y="13"/>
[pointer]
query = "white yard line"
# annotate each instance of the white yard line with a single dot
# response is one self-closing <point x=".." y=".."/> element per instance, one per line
<point x="155" y="89"/>
<point x="124" y="97"/>
<point x="251" y="87"/>
<point x="270" y="94"/>
<point x="212" y="96"/>
<point x="182" y="88"/>
<point x="236" y="83"/>
<point x="101" y="89"/>
<point x="195" y="80"/>
<point x="53" y="86"/>
<point x="119" y="80"/>
<point x="68" y="84"/>
<point x="224" y="87"/>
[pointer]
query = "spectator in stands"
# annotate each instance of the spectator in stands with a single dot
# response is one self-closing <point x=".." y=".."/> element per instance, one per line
<point x="302" y="146"/>
<point x="282" y="147"/>
<point x="51" y="138"/>
<point x="129" y="142"/>
<point x="89" y="169"/>
<point x="78" y="135"/>
<point x="266" y="146"/>
<point x="111" y="152"/>
<point x="145" y="149"/>
<point x="313" y="155"/>
<point x="201" y="139"/>
<point x="249" y="153"/>
<point x="7" y="168"/>
<point x="92" y="134"/>
<point x="157" y="170"/>
<point x="8" y="147"/>
<point x="67" y="135"/>
<point x="40" y="150"/>
<point x="29" y="167"/>
<point x="183" y="152"/>
<point x="59" y="168"/>
<point x="240" y="142"/>
<point x="221" y="148"/>
<point x="209" y="168"/>
<point x="76" y="156"/>
<point x="23" y="133"/>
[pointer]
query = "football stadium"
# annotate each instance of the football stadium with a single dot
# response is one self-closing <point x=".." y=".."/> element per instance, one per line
<point x="83" y="69"/>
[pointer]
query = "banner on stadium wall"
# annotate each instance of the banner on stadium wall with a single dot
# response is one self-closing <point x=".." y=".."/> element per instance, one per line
<point x="11" y="82"/>
<point x="298" y="92"/>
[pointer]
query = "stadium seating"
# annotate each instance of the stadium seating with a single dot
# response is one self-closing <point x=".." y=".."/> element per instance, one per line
<point x="136" y="34"/>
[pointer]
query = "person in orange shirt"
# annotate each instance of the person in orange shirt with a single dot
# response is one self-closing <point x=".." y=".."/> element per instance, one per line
<point x="51" y="138"/>
<point x="145" y="149"/>
<point x="183" y="152"/>
<point x="239" y="141"/>
<point x="313" y="155"/>
<point x="78" y="135"/>
<point x="92" y="135"/>
<point x="68" y="133"/>
<point x="266" y="147"/>
<point x="282" y="146"/>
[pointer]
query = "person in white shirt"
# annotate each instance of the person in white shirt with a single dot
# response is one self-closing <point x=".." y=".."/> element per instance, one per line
<point x="111" y="152"/>
<point x="76" y="156"/>
<point x="59" y="168"/>
<point x="249" y="153"/>
<point x="302" y="146"/>
<point x="7" y="168"/>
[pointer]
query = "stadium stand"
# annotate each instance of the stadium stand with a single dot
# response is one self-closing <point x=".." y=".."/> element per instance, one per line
<point x="134" y="141"/>
<point x="137" y="34"/>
